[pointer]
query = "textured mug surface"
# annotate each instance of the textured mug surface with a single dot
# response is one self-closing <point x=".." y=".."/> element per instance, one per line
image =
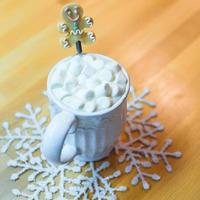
<point x="91" y="136"/>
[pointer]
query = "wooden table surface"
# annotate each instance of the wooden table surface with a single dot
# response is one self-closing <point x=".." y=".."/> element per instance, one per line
<point x="158" y="41"/>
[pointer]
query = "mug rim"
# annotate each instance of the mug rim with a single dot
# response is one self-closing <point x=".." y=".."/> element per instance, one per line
<point x="82" y="113"/>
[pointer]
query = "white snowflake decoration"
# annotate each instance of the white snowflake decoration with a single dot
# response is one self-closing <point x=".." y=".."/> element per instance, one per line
<point x="26" y="142"/>
<point x="138" y="150"/>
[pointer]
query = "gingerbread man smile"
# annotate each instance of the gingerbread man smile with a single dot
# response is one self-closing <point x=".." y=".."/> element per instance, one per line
<point x="72" y="13"/>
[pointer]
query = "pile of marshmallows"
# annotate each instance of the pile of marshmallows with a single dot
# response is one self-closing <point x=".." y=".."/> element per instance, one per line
<point x="88" y="82"/>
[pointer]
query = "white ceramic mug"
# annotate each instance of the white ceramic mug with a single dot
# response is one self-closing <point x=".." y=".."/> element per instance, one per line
<point x="90" y="136"/>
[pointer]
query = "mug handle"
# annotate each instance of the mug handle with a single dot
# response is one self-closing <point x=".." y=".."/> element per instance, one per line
<point x="54" y="138"/>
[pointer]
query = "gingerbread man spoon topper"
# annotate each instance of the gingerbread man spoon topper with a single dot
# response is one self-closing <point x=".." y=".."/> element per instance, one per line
<point x="74" y="26"/>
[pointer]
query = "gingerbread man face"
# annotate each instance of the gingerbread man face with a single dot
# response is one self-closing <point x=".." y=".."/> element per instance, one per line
<point x="72" y="13"/>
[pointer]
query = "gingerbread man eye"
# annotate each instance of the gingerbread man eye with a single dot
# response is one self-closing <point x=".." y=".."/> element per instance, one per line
<point x="68" y="11"/>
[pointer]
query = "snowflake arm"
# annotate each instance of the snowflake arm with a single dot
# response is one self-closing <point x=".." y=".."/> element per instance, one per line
<point x="137" y="101"/>
<point x="98" y="185"/>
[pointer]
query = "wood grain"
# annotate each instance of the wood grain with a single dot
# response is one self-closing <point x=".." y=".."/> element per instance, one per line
<point x="156" y="40"/>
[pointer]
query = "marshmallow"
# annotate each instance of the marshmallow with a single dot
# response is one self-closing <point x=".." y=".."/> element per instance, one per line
<point x="103" y="90"/>
<point x="60" y="93"/>
<point x="82" y="79"/>
<point x="75" y="68"/>
<point x="115" y="99"/>
<point x="63" y="68"/>
<point x="58" y="78"/>
<point x="122" y="88"/>
<point x="88" y="83"/>
<point x="85" y="95"/>
<point x="103" y="103"/>
<point x="90" y="106"/>
<point x="63" y="74"/>
<point x="113" y="66"/>
<point x="92" y="83"/>
<point x="115" y="90"/>
<point x="70" y="84"/>
<point x="76" y="58"/>
<point x="88" y="58"/>
<point x="88" y="70"/>
<point x="98" y="64"/>
<point x="73" y="102"/>
<point x="56" y="85"/>
<point x="121" y="78"/>
<point x="105" y="75"/>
